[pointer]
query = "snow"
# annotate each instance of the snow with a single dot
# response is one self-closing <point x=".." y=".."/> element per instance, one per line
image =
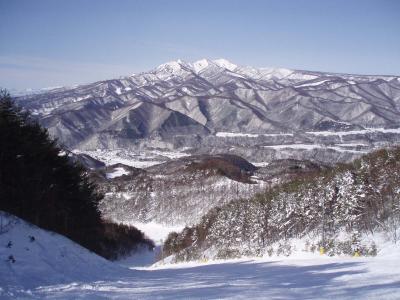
<point x="223" y="63"/>
<point x="309" y="147"/>
<point x="82" y="98"/>
<point x="250" y="135"/>
<point x="118" y="91"/>
<point x="56" y="268"/>
<point x="117" y="173"/>
<point x="313" y="83"/>
<point x="137" y="159"/>
<point x="48" y="259"/>
<point x="236" y="134"/>
<point x="351" y="132"/>
<point x="247" y="279"/>
<point x="278" y="73"/>
<point x="170" y="67"/>
<point x="260" y="164"/>
<point x="110" y="157"/>
<point x="155" y="231"/>
<point x="200" y="65"/>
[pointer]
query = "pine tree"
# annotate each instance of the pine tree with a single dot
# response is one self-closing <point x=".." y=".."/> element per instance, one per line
<point x="42" y="185"/>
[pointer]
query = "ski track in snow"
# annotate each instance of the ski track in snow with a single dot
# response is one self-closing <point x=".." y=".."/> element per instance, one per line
<point x="53" y="267"/>
<point x="312" y="278"/>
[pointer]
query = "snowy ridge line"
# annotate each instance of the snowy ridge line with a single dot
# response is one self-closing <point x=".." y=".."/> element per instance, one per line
<point x="175" y="108"/>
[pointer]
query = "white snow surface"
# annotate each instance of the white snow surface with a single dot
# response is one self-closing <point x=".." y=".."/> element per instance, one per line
<point x="310" y="147"/>
<point x="133" y="159"/>
<point x="223" y="63"/>
<point x="118" y="91"/>
<point x="199" y="65"/>
<point x="137" y="159"/>
<point x="250" y="135"/>
<point x="49" y="259"/>
<point x="351" y="132"/>
<point x="117" y="173"/>
<point x="313" y="83"/>
<point x="53" y="267"/>
<point x="155" y="231"/>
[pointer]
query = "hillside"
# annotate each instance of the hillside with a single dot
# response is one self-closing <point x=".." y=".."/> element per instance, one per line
<point x="181" y="191"/>
<point x="31" y="257"/>
<point x="340" y="208"/>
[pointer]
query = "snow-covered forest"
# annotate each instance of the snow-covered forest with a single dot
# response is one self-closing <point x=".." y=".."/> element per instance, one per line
<point x="339" y="209"/>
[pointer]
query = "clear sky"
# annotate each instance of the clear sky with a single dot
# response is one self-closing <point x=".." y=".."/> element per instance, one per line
<point x="62" y="42"/>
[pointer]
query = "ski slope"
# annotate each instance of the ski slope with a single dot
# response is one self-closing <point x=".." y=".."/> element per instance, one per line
<point x="56" y="268"/>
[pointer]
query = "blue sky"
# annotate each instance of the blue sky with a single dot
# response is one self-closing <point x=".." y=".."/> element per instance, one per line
<point x="53" y="42"/>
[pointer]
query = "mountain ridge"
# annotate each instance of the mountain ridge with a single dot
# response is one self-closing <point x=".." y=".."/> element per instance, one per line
<point x="177" y="102"/>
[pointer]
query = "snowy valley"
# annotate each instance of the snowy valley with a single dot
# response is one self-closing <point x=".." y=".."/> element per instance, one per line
<point x="253" y="183"/>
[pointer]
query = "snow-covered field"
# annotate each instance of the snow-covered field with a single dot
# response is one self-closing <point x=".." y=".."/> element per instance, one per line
<point x="316" y="133"/>
<point x="352" y="132"/>
<point x="52" y="267"/>
<point x="117" y="173"/>
<point x="338" y="147"/>
<point x="250" y="135"/>
<point x="138" y="159"/>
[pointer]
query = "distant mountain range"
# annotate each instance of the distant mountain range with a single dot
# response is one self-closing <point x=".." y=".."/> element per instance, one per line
<point x="211" y="106"/>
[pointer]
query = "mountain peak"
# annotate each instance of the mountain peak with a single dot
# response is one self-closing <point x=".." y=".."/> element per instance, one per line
<point x="171" y="66"/>
<point x="197" y="66"/>
<point x="201" y="64"/>
<point x="223" y="63"/>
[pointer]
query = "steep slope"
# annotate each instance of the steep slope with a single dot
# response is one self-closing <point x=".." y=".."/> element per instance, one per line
<point x="183" y="104"/>
<point x="341" y="209"/>
<point x="32" y="257"/>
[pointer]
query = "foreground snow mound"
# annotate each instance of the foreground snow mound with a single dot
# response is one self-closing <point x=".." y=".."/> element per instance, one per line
<point x="31" y="257"/>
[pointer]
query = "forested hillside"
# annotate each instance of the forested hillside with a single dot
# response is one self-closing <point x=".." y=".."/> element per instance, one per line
<point x="42" y="185"/>
<point x="339" y="209"/>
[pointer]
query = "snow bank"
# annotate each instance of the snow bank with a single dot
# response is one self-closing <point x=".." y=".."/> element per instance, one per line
<point x="31" y="257"/>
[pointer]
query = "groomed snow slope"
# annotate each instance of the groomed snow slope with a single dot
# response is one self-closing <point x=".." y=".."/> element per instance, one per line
<point x="56" y="268"/>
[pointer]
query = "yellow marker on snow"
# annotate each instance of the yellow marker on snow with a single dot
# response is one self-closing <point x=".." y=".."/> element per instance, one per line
<point x="356" y="254"/>
<point x="321" y="250"/>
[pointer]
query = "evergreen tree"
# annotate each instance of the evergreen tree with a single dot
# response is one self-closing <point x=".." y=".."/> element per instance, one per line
<point x="40" y="184"/>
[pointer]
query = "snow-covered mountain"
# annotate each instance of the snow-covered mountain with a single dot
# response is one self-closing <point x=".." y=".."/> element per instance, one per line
<point x="215" y="106"/>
